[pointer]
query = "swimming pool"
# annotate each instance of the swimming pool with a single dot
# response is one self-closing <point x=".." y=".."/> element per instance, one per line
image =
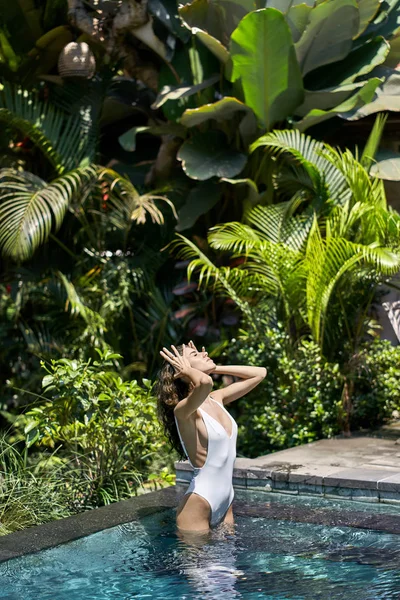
<point x="281" y="548"/>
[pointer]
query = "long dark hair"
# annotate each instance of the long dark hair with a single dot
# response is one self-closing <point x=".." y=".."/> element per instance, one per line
<point x="169" y="392"/>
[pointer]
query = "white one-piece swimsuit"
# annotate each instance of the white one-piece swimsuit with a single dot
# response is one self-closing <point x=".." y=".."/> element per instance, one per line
<point x="213" y="481"/>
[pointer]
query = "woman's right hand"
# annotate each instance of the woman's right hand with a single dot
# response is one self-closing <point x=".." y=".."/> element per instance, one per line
<point x="180" y="362"/>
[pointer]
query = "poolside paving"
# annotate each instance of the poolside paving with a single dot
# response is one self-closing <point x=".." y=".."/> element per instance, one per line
<point x="364" y="467"/>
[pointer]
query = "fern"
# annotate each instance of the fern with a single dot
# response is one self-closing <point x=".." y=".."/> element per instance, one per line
<point x="62" y="138"/>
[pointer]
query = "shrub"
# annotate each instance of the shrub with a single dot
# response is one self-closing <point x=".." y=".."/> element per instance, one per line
<point x="108" y="426"/>
<point x="376" y="384"/>
<point x="300" y="400"/>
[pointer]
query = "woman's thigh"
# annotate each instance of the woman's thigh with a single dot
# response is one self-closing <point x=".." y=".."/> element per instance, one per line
<point x="229" y="516"/>
<point x="193" y="513"/>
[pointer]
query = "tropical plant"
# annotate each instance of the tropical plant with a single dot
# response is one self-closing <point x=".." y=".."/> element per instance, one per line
<point x="315" y="259"/>
<point x="300" y="400"/>
<point x="108" y="426"/>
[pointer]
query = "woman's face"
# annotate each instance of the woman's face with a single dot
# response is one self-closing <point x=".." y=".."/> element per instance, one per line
<point x="199" y="360"/>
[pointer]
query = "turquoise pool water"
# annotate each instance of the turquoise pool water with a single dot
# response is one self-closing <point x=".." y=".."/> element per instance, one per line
<point x="263" y="557"/>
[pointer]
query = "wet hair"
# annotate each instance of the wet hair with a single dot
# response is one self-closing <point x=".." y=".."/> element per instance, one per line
<point x="169" y="392"/>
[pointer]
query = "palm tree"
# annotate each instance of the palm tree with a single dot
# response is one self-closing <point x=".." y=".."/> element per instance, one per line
<point x="303" y="256"/>
<point x="31" y="207"/>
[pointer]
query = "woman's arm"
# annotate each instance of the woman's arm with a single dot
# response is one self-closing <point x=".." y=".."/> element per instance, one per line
<point x="251" y="377"/>
<point x="201" y="382"/>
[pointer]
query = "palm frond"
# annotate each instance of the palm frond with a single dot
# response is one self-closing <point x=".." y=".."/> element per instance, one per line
<point x="329" y="260"/>
<point x="309" y="153"/>
<point x="75" y="306"/>
<point x="373" y="141"/>
<point x="234" y="236"/>
<point x="30" y="207"/>
<point x="128" y="205"/>
<point x="207" y="271"/>
<point x="62" y="138"/>
<point x="277" y="224"/>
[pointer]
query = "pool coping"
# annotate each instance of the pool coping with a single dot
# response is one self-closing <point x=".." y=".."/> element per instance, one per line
<point x="333" y="468"/>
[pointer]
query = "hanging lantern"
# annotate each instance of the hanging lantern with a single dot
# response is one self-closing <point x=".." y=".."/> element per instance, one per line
<point x="76" y="60"/>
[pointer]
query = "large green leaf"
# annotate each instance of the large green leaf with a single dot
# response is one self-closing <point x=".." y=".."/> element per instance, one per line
<point x="166" y="12"/>
<point x="297" y="19"/>
<point x="358" y="63"/>
<point x="264" y="60"/>
<point x="325" y="99"/>
<point x="387" y="96"/>
<point x="128" y="139"/>
<point x="213" y="45"/>
<point x="387" y="165"/>
<point x="199" y="201"/>
<point x="208" y="155"/>
<point x="169" y="92"/>
<point x="388" y="19"/>
<point x="30" y="207"/>
<point x="250" y="195"/>
<point x="328" y="37"/>
<point x="393" y="58"/>
<point x="217" y="17"/>
<point x="360" y="98"/>
<point x="220" y="111"/>
<point x="286" y="5"/>
<point x="367" y="10"/>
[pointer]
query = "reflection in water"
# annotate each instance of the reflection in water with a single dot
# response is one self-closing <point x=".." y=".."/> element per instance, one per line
<point x="208" y="561"/>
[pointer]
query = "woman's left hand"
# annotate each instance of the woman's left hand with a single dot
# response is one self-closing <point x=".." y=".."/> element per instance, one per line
<point x="191" y="345"/>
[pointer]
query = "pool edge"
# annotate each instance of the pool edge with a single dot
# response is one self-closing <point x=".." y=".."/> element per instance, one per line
<point x="48" y="535"/>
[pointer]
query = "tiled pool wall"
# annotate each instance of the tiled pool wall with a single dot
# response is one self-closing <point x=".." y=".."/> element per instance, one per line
<point x="362" y="485"/>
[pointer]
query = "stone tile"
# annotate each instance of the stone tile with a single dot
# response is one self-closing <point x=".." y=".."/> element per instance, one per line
<point x="256" y="471"/>
<point x="265" y="484"/>
<point x="240" y="473"/>
<point x="258" y="474"/>
<point x="337" y="492"/>
<point x="183" y="465"/>
<point x="311" y="490"/>
<point x="280" y="476"/>
<point x="313" y="475"/>
<point x="389" y="498"/>
<point x="390" y="484"/>
<point x="244" y="463"/>
<point x="365" y="495"/>
<point x="356" y="478"/>
<point x="285" y="487"/>
<point x="239" y="482"/>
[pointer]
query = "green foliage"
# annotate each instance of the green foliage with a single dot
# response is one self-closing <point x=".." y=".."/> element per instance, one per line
<point x="64" y="139"/>
<point x="30" y="207"/>
<point x="206" y="155"/>
<point x="32" y="494"/>
<point x="307" y="253"/>
<point x="376" y="389"/>
<point x="353" y="38"/>
<point x="300" y="400"/>
<point x="264" y="60"/>
<point x="109" y="426"/>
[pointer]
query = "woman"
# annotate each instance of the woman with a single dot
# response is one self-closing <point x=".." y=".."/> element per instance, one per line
<point x="199" y="423"/>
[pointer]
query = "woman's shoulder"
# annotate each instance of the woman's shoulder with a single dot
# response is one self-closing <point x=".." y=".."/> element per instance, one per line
<point x="180" y="412"/>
